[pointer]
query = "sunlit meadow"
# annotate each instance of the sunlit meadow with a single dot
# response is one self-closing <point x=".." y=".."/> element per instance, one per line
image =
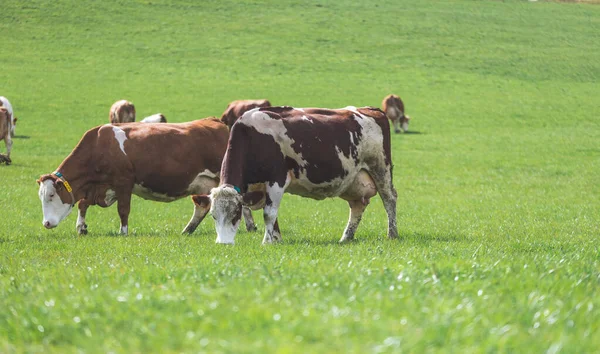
<point x="497" y="179"/>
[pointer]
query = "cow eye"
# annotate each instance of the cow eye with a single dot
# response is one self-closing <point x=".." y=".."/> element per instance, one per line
<point x="52" y="195"/>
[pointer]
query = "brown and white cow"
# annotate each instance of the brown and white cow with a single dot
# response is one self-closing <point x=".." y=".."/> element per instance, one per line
<point x="4" y="102"/>
<point x="5" y="129"/>
<point x="122" y="111"/>
<point x="155" y="118"/>
<point x="237" y="108"/>
<point x="161" y="162"/>
<point x="394" y="109"/>
<point x="312" y="152"/>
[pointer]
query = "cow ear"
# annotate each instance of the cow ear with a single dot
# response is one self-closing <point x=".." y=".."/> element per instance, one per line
<point x="39" y="180"/>
<point x="252" y="198"/>
<point x="15" y="121"/>
<point x="202" y="201"/>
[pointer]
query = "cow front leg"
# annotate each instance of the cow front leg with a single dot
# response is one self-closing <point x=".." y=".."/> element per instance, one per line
<point x="250" y="225"/>
<point x="274" y="196"/>
<point x="396" y="123"/>
<point x="81" y="226"/>
<point x="124" y="207"/>
<point x="201" y="208"/>
<point x="357" y="208"/>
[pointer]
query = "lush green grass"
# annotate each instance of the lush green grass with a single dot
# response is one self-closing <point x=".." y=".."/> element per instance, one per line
<point x="498" y="184"/>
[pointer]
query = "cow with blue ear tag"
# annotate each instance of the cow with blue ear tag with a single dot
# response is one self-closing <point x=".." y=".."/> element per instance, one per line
<point x="316" y="153"/>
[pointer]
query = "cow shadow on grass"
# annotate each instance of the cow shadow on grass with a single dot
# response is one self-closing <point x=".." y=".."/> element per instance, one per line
<point x="411" y="132"/>
<point x="21" y="137"/>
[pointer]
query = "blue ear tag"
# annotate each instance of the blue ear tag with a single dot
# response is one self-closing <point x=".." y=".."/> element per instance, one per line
<point x="237" y="189"/>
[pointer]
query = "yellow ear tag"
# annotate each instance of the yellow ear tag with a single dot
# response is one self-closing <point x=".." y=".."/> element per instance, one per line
<point x="67" y="186"/>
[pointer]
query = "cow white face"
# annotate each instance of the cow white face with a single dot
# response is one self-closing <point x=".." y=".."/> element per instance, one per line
<point x="53" y="208"/>
<point x="226" y="209"/>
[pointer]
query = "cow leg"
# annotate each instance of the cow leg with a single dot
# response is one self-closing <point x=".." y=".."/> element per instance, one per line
<point x="8" y="143"/>
<point x="357" y="208"/>
<point x="124" y="207"/>
<point x="274" y="196"/>
<point x="81" y="226"/>
<point x="385" y="188"/>
<point x="250" y="225"/>
<point x="201" y="208"/>
<point x="396" y="123"/>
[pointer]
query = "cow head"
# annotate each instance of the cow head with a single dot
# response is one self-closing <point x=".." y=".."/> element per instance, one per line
<point x="226" y="208"/>
<point x="57" y="202"/>
<point x="404" y="123"/>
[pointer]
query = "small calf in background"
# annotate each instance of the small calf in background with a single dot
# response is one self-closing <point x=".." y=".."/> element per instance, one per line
<point x="393" y="107"/>
<point x="5" y="129"/>
<point x="4" y="102"/>
<point x="155" y="118"/>
<point x="122" y="111"/>
<point x="237" y="108"/>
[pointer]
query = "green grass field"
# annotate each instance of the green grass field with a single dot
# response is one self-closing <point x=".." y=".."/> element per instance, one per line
<point x="498" y="181"/>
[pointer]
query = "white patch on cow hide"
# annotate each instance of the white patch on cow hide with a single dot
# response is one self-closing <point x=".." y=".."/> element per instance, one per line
<point x="121" y="137"/>
<point x="203" y="183"/>
<point x="155" y="118"/>
<point x="307" y="119"/>
<point x="110" y="197"/>
<point x="264" y="124"/>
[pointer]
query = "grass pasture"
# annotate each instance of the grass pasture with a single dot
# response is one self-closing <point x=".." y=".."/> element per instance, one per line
<point x="497" y="181"/>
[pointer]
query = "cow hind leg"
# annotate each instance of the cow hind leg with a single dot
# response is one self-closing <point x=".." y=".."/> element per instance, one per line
<point x="250" y="225"/>
<point x="201" y="208"/>
<point x="357" y="208"/>
<point x="385" y="188"/>
<point x="124" y="207"/>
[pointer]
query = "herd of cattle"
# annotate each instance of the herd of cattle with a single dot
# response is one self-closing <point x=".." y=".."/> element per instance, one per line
<point x="244" y="161"/>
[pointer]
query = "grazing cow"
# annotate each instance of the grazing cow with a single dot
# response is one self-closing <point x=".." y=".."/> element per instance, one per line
<point x="122" y="111"/>
<point x="155" y="118"/>
<point x="5" y="125"/>
<point x="161" y="162"/>
<point x="394" y="109"/>
<point x="4" y="102"/>
<point x="237" y="108"/>
<point x="312" y="152"/>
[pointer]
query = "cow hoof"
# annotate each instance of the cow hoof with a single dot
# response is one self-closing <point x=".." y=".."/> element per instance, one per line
<point x="346" y="239"/>
<point x="189" y="230"/>
<point x="82" y="229"/>
<point x="251" y="228"/>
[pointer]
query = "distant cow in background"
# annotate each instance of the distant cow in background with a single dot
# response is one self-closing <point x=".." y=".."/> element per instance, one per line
<point x="394" y="109"/>
<point x="237" y="108"/>
<point x="6" y="104"/>
<point x="155" y="118"/>
<point x="122" y="111"/>
<point x="5" y="125"/>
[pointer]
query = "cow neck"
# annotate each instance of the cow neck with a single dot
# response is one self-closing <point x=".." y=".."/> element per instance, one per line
<point x="232" y="170"/>
<point x="76" y="181"/>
